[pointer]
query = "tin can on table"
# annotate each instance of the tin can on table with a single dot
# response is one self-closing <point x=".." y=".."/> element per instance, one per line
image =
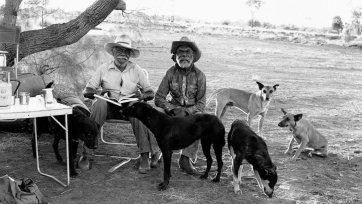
<point x="24" y="98"/>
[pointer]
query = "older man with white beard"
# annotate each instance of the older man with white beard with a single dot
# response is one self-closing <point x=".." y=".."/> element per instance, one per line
<point x="186" y="85"/>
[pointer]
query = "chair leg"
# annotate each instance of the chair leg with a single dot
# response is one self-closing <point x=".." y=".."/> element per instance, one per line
<point x="128" y="159"/>
<point x="115" y="167"/>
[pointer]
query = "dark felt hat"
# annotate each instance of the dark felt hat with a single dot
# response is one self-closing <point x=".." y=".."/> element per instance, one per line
<point x="186" y="41"/>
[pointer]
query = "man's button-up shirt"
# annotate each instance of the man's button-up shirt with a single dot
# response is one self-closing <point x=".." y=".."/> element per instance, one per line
<point x="118" y="83"/>
<point x="186" y="87"/>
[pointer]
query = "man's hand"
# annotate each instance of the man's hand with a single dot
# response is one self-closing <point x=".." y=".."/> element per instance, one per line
<point x="89" y="93"/>
<point x="106" y="94"/>
<point x="178" y="112"/>
<point x="138" y="95"/>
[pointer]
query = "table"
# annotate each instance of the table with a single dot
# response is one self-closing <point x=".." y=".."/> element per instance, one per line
<point x="37" y="108"/>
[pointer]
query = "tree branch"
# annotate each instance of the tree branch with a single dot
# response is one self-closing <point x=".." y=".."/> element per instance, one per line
<point x="58" y="35"/>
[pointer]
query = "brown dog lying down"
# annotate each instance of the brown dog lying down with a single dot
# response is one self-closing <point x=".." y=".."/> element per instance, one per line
<point x="174" y="133"/>
<point x="304" y="134"/>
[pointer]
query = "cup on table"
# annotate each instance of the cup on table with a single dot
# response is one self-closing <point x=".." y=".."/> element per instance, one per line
<point x="15" y="100"/>
<point x="24" y="98"/>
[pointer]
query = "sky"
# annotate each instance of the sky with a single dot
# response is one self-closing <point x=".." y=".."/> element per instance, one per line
<point x="313" y="13"/>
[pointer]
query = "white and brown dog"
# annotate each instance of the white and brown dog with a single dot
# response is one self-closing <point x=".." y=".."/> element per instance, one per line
<point x="304" y="134"/>
<point x="252" y="104"/>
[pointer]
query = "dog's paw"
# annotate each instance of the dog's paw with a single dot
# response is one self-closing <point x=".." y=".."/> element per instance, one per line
<point x="237" y="191"/>
<point x="204" y="176"/>
<point x="216" y="179"/>
<point x="73" y="174"/>
<point x="59" y="159"/>
<point x="162" y="186"/>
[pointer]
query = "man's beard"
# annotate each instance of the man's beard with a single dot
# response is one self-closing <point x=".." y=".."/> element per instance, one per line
<point x="184" y="63"/>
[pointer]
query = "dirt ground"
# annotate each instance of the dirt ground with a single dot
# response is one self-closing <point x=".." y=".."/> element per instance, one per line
<point x="323" y="83"/>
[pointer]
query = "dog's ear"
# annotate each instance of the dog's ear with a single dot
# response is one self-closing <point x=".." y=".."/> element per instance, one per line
<point x="275" y="87"/>
<point x="285" y="112"/>
<point x="298" y="117"/>
<point x="260" y="85"/>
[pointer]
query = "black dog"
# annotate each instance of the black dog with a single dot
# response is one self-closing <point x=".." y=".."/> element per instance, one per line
<point x="245" y="144"/>
<point x="174" y="133"/>
<point x="80" y="127"/>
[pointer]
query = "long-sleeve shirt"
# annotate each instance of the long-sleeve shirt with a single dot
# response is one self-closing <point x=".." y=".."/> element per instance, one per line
<point x="118" y="83"/>
<point x="187" y="88"/>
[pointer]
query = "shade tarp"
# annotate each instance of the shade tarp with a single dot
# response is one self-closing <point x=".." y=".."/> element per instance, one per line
<point x="9" y="34"/>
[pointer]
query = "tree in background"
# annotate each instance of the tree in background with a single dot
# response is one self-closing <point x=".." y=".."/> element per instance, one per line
<point x="56" y="35"/>
<point x="254" y="6"/>
<point x="356" y="16"/>
<point x="37" y="9"/>
<point x="337" y="24"/>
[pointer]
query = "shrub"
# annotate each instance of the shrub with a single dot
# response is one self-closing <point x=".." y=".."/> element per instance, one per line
<point x="337" y="24"/>
<point x="289" y="27"/>
<point x="268" y="25"/>
<point x="254" y="23"/>
<point x="225" y="23"/>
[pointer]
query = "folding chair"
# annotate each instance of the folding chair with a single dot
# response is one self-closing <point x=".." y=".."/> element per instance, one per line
<point x="127" y="159"/>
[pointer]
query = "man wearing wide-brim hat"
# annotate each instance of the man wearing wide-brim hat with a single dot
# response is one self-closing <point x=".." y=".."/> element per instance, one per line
<point x="187" y="86"/>
<point x="121" y="77"/>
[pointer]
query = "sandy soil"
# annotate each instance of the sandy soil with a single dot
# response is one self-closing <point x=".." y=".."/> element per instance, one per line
<point x="323" y="83"/>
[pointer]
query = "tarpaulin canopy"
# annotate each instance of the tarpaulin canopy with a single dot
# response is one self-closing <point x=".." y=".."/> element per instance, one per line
<point x="9" y="34"/>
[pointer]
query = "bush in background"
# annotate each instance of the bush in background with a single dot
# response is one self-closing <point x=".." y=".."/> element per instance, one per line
<point x="69" y="66"/>
<point x="355" y="25"/>
<point x="254" y="23"/>
<point x="225" y="23"/>
<point x="337" y="24"/>
<point x="268" y="25"/>
<point x="289" y="27"/>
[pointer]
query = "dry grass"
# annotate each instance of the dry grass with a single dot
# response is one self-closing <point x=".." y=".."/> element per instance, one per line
<point x="12" y="140"/>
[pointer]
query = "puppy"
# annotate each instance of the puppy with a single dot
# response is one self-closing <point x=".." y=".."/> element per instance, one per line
<point x="246" y="146"/>
<point x="80" y="127"/>
<point x="252" y="104"/>
<point x="304" y="134"/>
<point x="174" y="133"/>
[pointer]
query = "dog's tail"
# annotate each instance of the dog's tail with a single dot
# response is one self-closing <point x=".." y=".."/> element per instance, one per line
<point x="212" y="96"/>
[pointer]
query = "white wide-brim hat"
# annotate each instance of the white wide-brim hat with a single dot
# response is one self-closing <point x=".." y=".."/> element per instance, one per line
<point x="125" y="42"/>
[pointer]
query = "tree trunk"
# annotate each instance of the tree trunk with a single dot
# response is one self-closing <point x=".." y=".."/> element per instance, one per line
<point x="56" y="35"/>
<point x="10" y="12"/>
